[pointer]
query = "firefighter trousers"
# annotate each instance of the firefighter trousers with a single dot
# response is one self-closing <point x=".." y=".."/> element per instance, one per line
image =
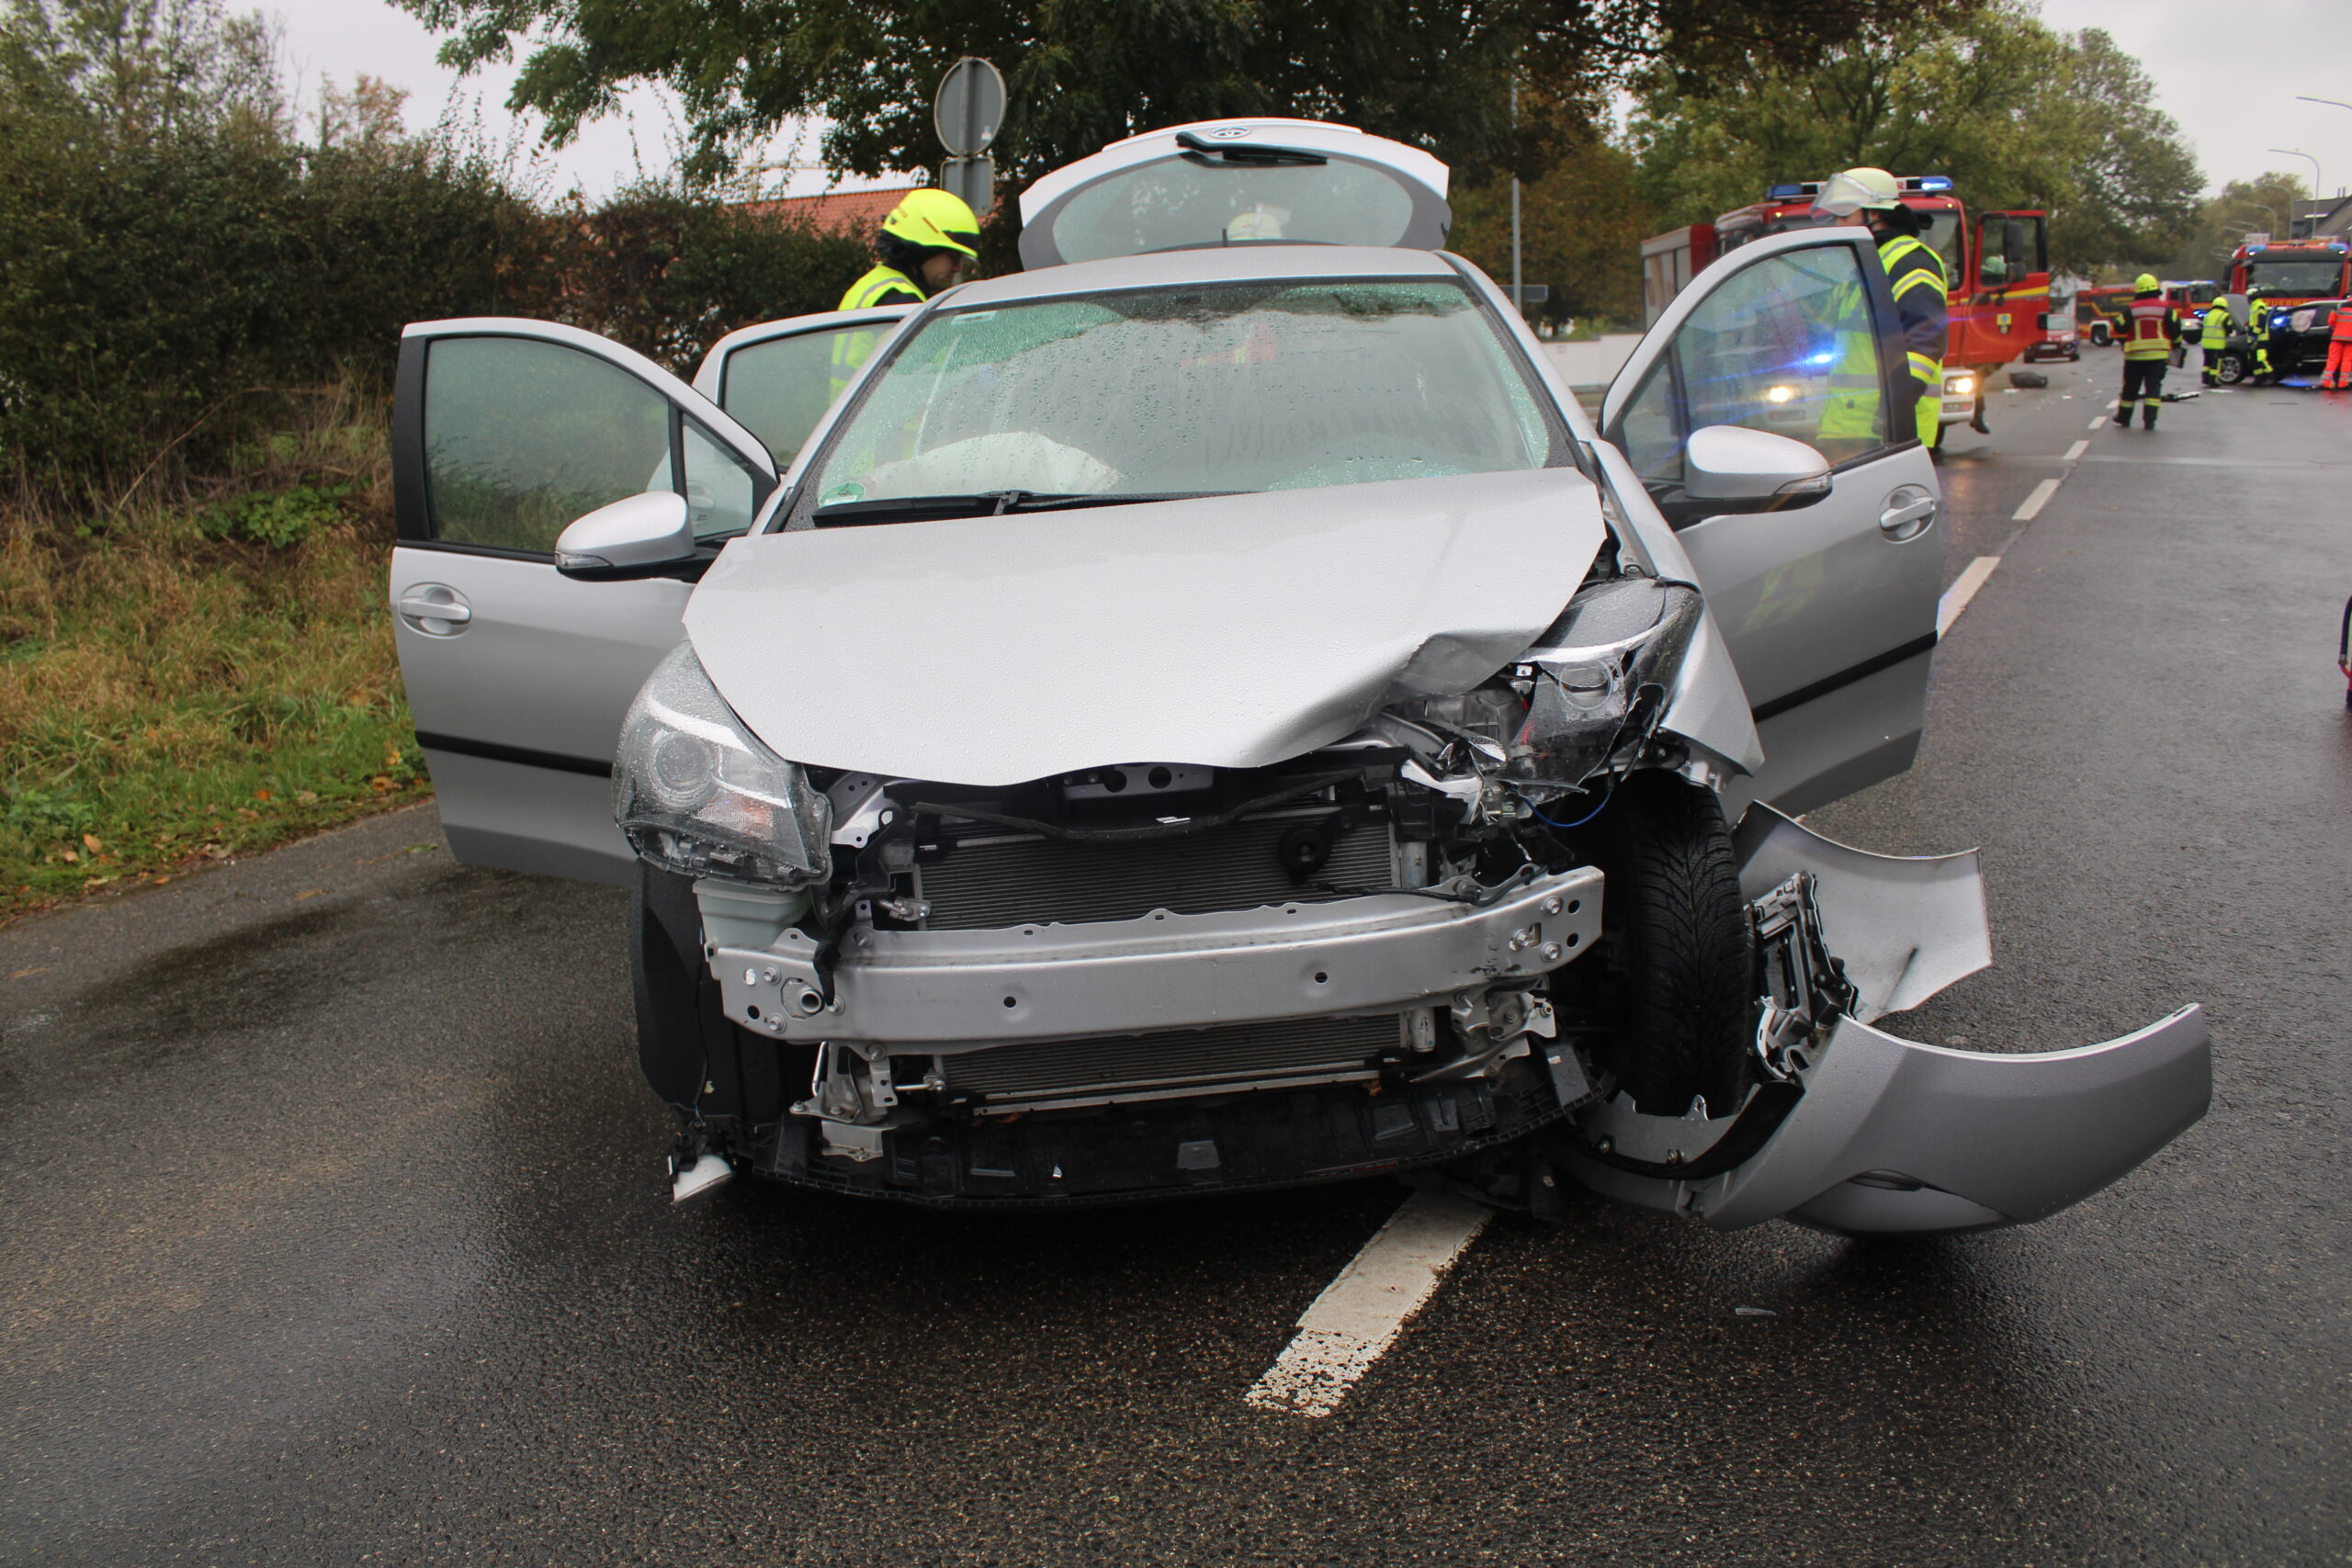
<point x="2144" y="383"/>
<point x="2213" y="377"/>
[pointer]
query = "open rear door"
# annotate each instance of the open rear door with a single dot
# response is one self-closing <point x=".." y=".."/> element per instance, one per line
<point x="505" y="431"/>
<point x="1235" y="182"/>
<point x="779" y="379"/>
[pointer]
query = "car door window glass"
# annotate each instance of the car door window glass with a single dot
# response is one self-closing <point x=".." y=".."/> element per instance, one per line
<point x="1787" y="346"/>
<point x="722" y="490"/>
<point x="779" y="390"/>
<point x="524" y="436"/>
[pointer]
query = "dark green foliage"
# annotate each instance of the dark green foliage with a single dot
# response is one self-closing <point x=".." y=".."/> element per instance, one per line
<point x="1435" y="75"/>
<point x="179" y="262"/>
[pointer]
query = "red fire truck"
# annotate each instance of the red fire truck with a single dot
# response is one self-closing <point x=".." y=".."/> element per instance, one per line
<point x="1998" y="267"/>
<point x="2291" y="272"/>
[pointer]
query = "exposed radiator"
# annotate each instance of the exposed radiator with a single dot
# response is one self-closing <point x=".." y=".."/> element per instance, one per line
<point x="993" y="881"/>
<point x="1078" y="1072"/>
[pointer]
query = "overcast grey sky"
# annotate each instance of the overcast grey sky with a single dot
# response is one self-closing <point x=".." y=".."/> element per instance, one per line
<point x="2229" y="74"/>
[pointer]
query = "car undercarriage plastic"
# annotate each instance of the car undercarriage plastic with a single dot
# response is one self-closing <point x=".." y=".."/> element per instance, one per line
<point x="1869" y="1134"/>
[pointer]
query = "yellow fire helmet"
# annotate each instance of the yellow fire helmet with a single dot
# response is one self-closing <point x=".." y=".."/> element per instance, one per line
<point x="2145" y="283"/>
<point x="934" y="221"/>
<point x="1842" y="195"/>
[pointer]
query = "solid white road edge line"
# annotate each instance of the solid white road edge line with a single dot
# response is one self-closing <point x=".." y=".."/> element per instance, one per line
<point x="1963" y="589"/>
<point x="2036" y="502"/>
<point x="1360" y="1314"/>
<point x="2077" y="450"/>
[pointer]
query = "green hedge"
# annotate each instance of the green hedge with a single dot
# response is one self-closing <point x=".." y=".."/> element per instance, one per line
<point x="173" y="258"/>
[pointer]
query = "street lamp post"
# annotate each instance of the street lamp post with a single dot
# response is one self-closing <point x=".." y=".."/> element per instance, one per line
<point x="2316" y="187"/>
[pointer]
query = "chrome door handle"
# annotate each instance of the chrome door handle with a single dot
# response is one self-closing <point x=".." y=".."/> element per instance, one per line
<point x="1908" y="512"/>
<point x="434" y="610"/>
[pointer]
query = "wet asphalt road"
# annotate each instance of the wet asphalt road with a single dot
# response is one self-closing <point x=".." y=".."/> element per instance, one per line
<point x="332" y="1229"/>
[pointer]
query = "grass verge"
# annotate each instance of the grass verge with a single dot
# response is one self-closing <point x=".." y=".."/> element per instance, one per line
<point x="187" y="679"/>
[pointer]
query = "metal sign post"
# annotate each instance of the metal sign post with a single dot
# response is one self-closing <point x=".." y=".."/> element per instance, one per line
<point x="968" y="113"/>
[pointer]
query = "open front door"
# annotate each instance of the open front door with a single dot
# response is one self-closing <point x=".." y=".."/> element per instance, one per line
<point x="779" y="379"/>
<point x="503" y="431"/>
<point x="1829" y="610"/>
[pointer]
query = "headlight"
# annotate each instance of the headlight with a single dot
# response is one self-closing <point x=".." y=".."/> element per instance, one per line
<point x="1615" y="641"/>
<point x="696" y="792"/>
<point x="1961" y="386"/>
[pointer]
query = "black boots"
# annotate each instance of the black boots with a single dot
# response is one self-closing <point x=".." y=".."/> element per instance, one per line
<point x="2147" y="417"/>
<point x="2123" y="416"/>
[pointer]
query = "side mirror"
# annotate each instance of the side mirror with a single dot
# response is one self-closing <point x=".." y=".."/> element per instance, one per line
<point x="638" y="535"/>
<point x="1729" y="467"/>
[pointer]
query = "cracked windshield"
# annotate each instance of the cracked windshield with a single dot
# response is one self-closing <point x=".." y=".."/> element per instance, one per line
<point x="1245" y="387"/>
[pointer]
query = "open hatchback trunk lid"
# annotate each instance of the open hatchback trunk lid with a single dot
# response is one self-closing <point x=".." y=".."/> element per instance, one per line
<point x="1234" y="182"/>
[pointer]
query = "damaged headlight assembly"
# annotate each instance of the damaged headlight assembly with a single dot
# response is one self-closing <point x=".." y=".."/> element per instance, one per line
<point x="1588" y="693"/>
<point x="1601" y="675"/>
<point x="696" y="792"/>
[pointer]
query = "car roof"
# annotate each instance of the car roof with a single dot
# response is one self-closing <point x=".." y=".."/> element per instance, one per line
<point x="1210" y="263"/>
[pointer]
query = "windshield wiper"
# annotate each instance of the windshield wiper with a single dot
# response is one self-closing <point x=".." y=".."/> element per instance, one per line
<point x="981" y="503"/>
<point x="985" y="503"/>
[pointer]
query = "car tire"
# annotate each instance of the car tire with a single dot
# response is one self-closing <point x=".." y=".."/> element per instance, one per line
<point x="1679" y="958"/>
<point x="2232" y="368"/>
<point x="2099" y="335"/>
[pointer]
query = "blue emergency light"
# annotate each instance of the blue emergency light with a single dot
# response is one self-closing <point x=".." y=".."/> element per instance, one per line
<point x="1935" y="182"/>
<point x="1783" y="193"/>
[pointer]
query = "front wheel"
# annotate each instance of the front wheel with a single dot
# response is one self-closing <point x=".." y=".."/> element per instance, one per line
<point x="1680" y="957"/>
<point x="2231" y="369"/>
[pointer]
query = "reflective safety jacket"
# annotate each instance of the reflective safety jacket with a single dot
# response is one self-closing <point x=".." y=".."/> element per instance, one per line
<point x="883" y="285"/>
<point x="2149" y="328"/>
<point x="2215" y="332"/>
<point x="1916" y="274"/>
<point x="2339" y="323"/>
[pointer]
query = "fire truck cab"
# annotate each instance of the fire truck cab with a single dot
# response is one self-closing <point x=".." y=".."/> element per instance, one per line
<point x="2290" y="272"/>
<point x="1998" y="267"/>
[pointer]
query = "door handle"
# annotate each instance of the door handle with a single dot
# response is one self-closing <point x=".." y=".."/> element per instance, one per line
<point x="434" y="610"/>
<point x="1909" y="512"/>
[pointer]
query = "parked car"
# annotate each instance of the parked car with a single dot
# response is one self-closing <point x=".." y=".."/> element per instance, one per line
<point x="1210" y="711"/>
<point x="2061" y="338"/>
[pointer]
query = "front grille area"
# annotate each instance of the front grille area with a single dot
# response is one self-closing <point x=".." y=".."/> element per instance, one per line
<point x="1187" y="1061"/>
<point x="989" y="883"/>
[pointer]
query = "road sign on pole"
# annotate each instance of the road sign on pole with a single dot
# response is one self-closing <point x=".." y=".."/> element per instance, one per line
<point x="969" y="108"/>
<point x="973" y="180"/>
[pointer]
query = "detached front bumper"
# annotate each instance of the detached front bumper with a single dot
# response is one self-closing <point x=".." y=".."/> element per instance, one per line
<point x="1875" y="1135"/>
<point x="964" y="990"/>
<point x="1894" y="1136"/>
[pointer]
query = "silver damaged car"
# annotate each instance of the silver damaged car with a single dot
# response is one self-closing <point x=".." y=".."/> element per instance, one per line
<point x="1211" y="711"/>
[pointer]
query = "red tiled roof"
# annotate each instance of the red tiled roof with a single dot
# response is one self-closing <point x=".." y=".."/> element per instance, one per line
<point x="854" y="212"/>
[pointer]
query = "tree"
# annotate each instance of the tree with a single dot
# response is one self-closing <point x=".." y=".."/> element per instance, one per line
<point x="2261" y="205"/>
<point x="1582" y="223"/>
<point x="2019" y="115"/>
<point x="1435" y="73"/>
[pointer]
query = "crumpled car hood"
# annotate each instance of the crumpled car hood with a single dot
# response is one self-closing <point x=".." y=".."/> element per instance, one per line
<point x="1235" y="632"/>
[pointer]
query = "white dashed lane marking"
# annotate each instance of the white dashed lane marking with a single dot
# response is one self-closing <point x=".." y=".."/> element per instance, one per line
<point x="1361" y="1313"/>
<point x="2077" y="450"/>
<point x="2098" y="422"/>
<point x="1963" y="590"/>
<point x="2036" y="502"/>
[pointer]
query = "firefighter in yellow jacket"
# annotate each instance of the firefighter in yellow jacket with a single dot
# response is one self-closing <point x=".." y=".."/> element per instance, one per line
<point x="2149" y="328"/>
<point x="922" y="248"/>
<point x="1916" y="273"/>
